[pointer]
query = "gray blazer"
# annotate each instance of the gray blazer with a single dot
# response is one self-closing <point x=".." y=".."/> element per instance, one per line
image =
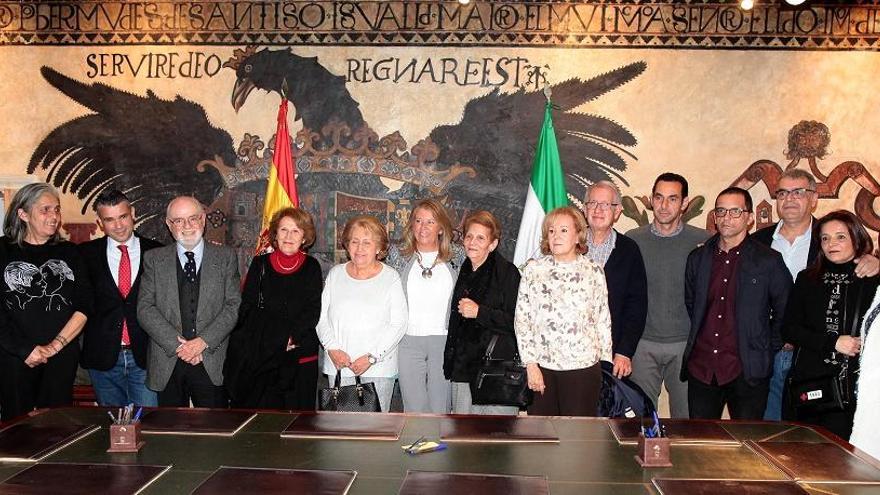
<point x="158" y="310"/>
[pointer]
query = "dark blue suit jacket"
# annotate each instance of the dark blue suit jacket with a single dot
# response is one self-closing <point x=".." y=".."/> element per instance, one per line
<point x="763" y="284"/>
<point x="102" y="335"/>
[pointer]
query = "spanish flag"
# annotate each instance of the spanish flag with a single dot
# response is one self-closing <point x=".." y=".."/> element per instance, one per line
<point x="281" y="189"/>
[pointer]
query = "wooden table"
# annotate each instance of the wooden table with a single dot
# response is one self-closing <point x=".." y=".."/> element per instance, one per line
<point x="586" y="459"/>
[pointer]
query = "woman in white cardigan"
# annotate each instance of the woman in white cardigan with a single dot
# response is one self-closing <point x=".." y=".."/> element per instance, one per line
<point x="865" y="434"/>
<point x="363" y="311"/>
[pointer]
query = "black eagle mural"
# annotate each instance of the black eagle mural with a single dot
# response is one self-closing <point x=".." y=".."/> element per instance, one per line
<point x="496" y="134"/>
<point x="155" y="149"/>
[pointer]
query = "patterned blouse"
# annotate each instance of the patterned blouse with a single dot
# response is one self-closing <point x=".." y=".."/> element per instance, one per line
<point x="562" y="318"/>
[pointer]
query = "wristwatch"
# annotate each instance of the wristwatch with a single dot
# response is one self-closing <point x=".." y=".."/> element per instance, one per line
<point x="372" y="359"/>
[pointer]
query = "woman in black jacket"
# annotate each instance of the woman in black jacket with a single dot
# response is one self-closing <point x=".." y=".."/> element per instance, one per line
<point x="826" y="304"/>
<point x="272" y="362"/>
<point x="483" y="305"/>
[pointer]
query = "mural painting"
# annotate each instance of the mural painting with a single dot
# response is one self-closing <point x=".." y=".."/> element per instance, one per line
<point x="397" y="101"/>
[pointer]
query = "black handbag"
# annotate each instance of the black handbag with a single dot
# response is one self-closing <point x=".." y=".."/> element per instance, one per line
<point x="360" y="397"/>
<point x="500" y="382"/>
<point x="832" y="390"/>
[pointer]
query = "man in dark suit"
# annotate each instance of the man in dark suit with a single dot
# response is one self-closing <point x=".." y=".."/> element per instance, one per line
<point x="733" y="284"/>
<point x="796" y="200"/>
<point x="114" y="344"/>
<point x="624" y="272"/>
<point x="188" y="304"/>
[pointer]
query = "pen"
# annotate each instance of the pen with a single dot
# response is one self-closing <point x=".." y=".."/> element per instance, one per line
<point x="656" y="429"/>
<point x="416" y="443"/>
<point x="111" y="417"/>
<point x="137" y="415"/>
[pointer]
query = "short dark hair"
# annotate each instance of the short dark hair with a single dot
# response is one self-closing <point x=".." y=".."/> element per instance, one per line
<point x="109" y="197"/>
<point x="671" y="177"/>
<point x="861" y="240"/>
<point x="738" y="190"/>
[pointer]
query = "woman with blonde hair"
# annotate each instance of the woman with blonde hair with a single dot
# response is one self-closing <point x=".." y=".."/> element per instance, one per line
<point x="428" y="264"/>
<point x="363" y="311"/>
<point x="562" y="324"/>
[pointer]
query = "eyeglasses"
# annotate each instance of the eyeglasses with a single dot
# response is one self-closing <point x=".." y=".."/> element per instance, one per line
<point x="733" y="212"/>
<point x="798" y="193"/>
<point x="180" y="222"/>
<point x="595" y="205"/>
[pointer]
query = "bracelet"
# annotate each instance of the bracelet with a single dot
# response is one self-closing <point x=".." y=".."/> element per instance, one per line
<point x="61" y="339"/>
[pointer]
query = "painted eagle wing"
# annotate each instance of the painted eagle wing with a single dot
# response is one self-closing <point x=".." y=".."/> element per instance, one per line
<point x="498" y="132"/>
<point x="149" y="147"/>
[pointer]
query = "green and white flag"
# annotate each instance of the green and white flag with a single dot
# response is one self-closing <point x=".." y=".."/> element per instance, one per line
<point x="546" y="192"/>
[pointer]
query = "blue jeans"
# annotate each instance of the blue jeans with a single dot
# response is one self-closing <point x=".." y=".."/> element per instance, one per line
<point x="123" y="384"/>
<point x="781" y="366"/>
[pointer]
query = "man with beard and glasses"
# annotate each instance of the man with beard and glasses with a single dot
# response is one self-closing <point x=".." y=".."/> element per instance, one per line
<point x="188" y="304"/>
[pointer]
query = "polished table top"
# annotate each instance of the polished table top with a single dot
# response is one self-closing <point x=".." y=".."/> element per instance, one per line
<point x="587" y="457"/>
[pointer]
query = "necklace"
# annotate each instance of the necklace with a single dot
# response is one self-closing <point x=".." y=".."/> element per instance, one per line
<point x="286" y="268"/>
<point x="426" y="271"/>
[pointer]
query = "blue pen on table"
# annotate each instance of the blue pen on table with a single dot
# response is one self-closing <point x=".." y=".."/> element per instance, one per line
<point x="656" y="429"/>
<point x="137" y="415"/>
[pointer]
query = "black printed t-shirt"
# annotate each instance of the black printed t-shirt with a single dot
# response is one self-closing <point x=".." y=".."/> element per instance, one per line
<point x="42" y="287"/>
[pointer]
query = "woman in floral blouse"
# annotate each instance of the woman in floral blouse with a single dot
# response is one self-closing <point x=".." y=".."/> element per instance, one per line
<point x="562" y="324"/>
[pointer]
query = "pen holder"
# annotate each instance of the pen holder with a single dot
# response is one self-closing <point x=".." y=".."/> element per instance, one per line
<point x="125" y="438"/>
<point x="653" y="452"/>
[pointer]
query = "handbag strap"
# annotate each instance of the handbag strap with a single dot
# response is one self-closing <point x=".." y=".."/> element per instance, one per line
<point x="338" y="381"/>
<point x="260" y="284"/>
<point x="491" y="348"/>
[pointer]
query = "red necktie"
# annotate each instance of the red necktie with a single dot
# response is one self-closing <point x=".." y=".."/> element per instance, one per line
<point x="124" y="287"/>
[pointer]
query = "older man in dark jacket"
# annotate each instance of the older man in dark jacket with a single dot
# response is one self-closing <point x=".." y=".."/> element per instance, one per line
<point x="733" y="285"/>
<point x="624" y="272"/>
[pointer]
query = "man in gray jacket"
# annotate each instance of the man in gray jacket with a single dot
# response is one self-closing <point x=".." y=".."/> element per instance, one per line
<point x="188" y="305"/>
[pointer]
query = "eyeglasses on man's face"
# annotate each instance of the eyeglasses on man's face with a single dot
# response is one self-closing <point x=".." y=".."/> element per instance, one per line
<point x="797" y="193"/>
<point x="180" y="222"/>
<point x="733" y="212"/>
<point x="595" y="205"/>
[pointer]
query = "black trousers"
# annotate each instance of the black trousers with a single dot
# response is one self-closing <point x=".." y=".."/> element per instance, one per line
<point x="190" y="382"/>
<point x="22" y="389"/>
<point x="743" y="400"/>
<point x="569" y="393"/>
